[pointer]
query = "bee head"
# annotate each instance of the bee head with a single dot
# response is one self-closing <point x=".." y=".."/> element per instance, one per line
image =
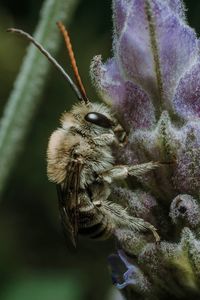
<point x="93" y="119"/>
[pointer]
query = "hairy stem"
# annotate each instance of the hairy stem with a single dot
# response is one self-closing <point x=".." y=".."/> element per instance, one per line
<point x="24" y="98"/>
<point x="155" y="51"/>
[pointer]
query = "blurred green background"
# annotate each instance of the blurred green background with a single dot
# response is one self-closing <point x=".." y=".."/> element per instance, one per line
<point x="34" y="260"/>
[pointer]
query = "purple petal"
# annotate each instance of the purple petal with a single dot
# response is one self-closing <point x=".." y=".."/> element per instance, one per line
<point x="123" y="272"/>
<point x="137" y="53"/>
<point x="129" y="100"/>
<point x="106" y="77"/>
<point x="177" y="6"/>
<point x="136" y="108"/>
<point x="120" y="10"/>
<point x="178" y="51"/>
<point x="187" y="97"/>
<point x="117" y="269"/>
<point x="134" y="50"/>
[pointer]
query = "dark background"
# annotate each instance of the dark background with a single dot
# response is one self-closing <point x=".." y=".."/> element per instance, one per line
<point x="34" y="260"/>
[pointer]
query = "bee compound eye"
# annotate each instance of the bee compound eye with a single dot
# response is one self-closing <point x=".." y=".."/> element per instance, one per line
<point x="99" y="119"/>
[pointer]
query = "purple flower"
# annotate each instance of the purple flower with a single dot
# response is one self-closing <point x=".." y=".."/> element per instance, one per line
<point x="156" y="53"/>
<point x="121" y="266"/>
<point x="153" y="83"/>
<point x="126" y="274"/>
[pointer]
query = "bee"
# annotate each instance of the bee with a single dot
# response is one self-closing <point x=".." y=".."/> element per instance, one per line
<point x="81" y="163"/>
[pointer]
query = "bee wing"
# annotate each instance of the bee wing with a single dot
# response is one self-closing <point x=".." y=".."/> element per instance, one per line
<point x="65" y="221"/>
<point x="68" y="199"/>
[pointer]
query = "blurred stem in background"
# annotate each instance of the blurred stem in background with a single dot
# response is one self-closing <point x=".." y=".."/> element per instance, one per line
<point x="25" y="97"/>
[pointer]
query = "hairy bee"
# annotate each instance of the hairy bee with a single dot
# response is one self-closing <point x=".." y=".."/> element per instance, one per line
<point x="81" y="163"/>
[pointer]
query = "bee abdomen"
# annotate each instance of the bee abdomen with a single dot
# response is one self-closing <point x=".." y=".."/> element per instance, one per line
<point x="94" y="225"/>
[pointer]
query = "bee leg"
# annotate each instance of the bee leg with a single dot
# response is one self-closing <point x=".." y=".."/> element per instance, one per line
<point x="123" y="171"/>
<point x="119" y="218"/>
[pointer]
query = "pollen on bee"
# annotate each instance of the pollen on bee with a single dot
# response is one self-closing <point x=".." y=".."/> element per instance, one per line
<point x="58" y="154"/>
<point x="54" y="142"/>
<point x="67" y="120"/>
<point x="55" y="166"/>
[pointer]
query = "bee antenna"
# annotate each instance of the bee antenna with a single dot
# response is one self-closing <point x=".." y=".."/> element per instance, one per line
<point x="50" y="58"/>
<point x="68" y="44"/>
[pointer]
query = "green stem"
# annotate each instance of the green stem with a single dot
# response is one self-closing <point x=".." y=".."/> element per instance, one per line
<point x="29" y="84"/>
<point x="155" y="51"/>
